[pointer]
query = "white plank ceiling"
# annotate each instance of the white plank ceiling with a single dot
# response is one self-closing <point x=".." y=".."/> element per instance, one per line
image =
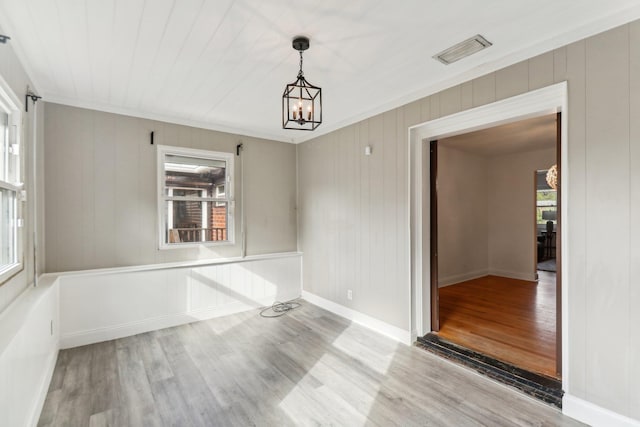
<point x="223" y="64"/>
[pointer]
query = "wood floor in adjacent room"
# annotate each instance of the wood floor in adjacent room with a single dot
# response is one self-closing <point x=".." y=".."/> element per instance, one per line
<point x="508" y="319"/>
<point x="309" y="367"/>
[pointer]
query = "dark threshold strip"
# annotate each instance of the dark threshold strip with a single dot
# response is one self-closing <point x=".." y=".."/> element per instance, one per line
<point x="541" y="387"/>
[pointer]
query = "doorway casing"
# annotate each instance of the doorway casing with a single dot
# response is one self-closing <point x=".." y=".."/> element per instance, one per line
<point x="548" y="100"/>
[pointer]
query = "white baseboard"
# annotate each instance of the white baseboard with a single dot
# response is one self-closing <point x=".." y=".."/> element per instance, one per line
<point x="44" y="389"/>
<point x="92" y="336"/>
<point x="365" y="320"/>
<point x="594" y="415"/>
<point x="531" y="277"/>
<point x="457" y="278"/>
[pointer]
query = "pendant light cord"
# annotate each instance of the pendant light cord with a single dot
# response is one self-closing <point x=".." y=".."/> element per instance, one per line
<point x="300" y="73"/>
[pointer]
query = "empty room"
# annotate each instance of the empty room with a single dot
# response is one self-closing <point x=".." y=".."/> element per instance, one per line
<point x="239" y="213"/>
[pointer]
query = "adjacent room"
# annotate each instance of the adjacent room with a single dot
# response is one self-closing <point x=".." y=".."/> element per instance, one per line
<point x="490" y="202"/>
<point x="224" y="212"/>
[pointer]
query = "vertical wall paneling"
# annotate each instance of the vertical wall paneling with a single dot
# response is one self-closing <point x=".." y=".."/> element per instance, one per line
<point x="411" y="114"/>
<point x="602" y="167"/>
<point x="577" y="221"/>
<point x="484" y="89"/>
<point x="450" y="101"/>
<point x="101" y="190"/>
<point x="607" y="260"/>
<point x="401" y="205"/>
<point x="466" y="95"/>
<point x="633" y="362"/>
<point x="388" y="202"/>
<point x="512" y="80"/>
<point x="541" y="71"/>
<point x="365" y="249"/>
<point x="105" y="171"/>
<point x="435" y="106"/>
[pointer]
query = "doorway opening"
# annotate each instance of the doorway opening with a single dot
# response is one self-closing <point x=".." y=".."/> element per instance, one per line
<point x="490" y="296"/>
<point x="424" y="290"/>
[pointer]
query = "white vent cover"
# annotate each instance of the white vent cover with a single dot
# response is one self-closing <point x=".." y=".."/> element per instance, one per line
<point x="462" y="49"/>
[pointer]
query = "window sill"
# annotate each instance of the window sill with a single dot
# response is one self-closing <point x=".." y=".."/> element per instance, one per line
<point x="8" y="272"/>
<point x="166" y="246"/>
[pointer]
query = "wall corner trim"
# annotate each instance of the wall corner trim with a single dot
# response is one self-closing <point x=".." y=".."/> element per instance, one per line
<point x="390" y="331"/>
<point x="593" y="414"/>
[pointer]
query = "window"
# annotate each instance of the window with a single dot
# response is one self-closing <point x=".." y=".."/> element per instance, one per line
<point x="195" y="202"/>
<point x="546" y="200"/>
<point x="10" y="190"/>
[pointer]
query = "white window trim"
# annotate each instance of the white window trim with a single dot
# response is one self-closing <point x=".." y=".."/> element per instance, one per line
<point x="10" y="104"/>
<point x="229" y="182"/>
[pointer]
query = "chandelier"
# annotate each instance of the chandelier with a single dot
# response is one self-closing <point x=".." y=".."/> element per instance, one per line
<point x="552" y="177"/>
<point x="301" y="101"/>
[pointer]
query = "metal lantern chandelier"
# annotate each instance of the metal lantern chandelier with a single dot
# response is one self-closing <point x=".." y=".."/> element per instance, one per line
<point x="301" y="101"/>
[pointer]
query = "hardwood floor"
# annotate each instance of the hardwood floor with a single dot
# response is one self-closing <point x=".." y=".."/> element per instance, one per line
<point x="309" y="367"/>
<point x="510" y="320"/>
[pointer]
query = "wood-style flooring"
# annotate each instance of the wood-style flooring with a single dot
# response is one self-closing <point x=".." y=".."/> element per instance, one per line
<point x="508" y="319"/>
<point x="309" y="367"/>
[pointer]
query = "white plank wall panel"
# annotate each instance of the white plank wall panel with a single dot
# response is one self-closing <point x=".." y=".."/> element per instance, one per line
<point x="127" y="18"/>
<point x="603" y="89"/>
<point x="29" y="336"/>
<point x="152" y="25"/>
<point x="633" y="337"/>
<point x="101" y="190"/>
<point x="74" y="28"/>
<point x="607" y="164"/>
<point x="40" y="13"/>
<point x="100" y="28"/>
<point x="103" y="305"/>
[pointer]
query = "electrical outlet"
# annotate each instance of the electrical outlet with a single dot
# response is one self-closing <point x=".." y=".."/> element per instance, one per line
<point x="349" y="294"/>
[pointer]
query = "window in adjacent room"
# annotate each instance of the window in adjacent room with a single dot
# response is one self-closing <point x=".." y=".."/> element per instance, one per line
<point x="10" y="191"/>
<point x="546" y="200"/>
<point x="195" y="197"/>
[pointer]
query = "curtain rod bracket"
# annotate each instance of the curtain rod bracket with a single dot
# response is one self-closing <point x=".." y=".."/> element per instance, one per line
<point x="34" y="98"/>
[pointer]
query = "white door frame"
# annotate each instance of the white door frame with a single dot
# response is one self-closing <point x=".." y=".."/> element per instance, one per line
<point x="548" y="100"/>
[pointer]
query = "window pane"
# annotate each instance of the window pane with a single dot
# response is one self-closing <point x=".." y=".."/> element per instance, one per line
<point x="193" y="221"/>
<point x="193" y="177"/>
<point x="7" y="228"/>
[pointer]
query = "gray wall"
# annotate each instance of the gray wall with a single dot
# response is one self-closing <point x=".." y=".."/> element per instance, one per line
<point x="486" y="211"/>
<point x="101" y="190"/>
<point x="511" y="205"/>
<point x="15" y="76"/>
<point x="463" y="240"/>
<point x="353" y="210"/>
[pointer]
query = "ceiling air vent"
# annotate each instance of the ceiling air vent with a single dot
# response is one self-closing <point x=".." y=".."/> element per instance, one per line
<point x="462" y="49"/>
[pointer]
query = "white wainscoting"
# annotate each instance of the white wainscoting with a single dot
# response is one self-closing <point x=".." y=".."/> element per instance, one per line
<point x="28" y="352"/>
<point x="107" y="304"/>
<point x="72" y="309"/>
